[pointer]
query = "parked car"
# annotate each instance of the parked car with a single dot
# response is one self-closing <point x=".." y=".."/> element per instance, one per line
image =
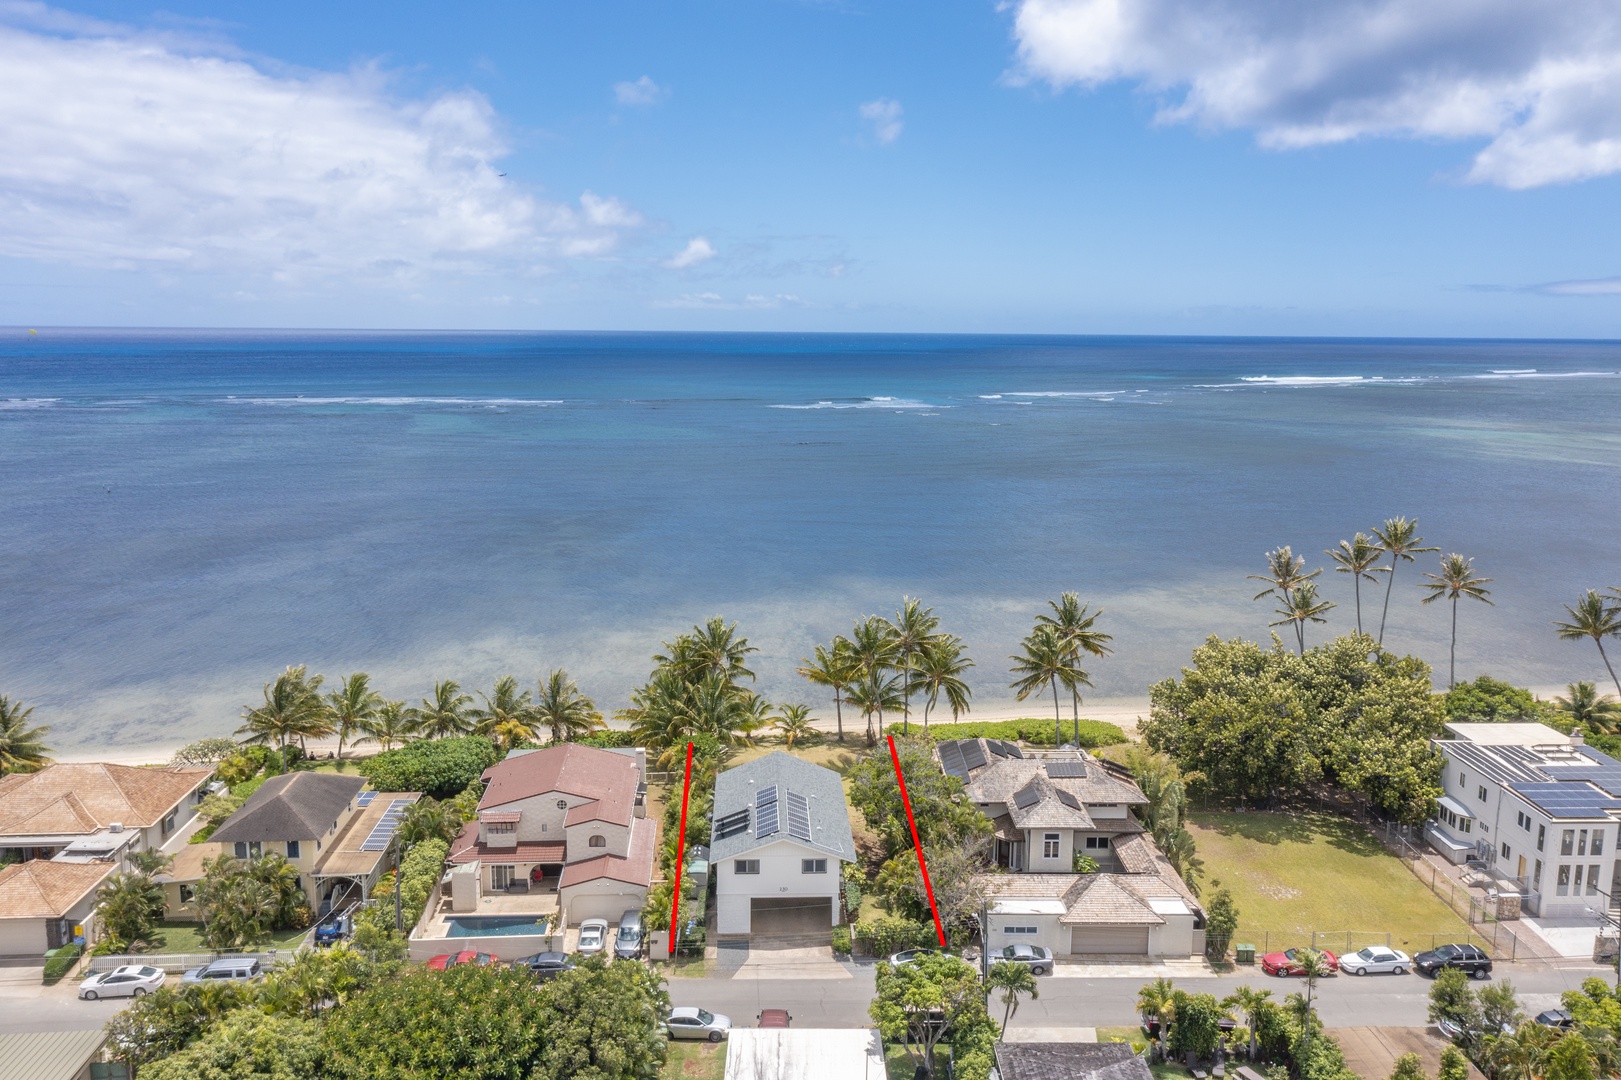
<point x="1289" y="961"/>
<point x="1038" y="958"/>
<point x="1376" y="958"/>
<point x="1469" y="959"/>
<point x="228" y="969"/>
<point x="545" y="965"/>
<point x="912" y="956"/>
<point x="466" y="956"/>
<point x="334" y="928"/>
<point x="1455" y="1031"/>
<point x="593" y="936"/>
<point x="1556" y="1018"/>
<point x="628" y="941"/>
<point x="131" y="980"/>
<point x="774" y="1018"/>
<point x="689" y="1022"/>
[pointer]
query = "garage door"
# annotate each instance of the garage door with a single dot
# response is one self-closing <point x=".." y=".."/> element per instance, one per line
<point x="587" y="906"/>
<point x="804" y="920"/>
<point x="1109" y="940"/>
<point x="22" y="937"/>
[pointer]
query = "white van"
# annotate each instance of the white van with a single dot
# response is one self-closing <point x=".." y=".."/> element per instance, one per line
<point x="228" y="969"/>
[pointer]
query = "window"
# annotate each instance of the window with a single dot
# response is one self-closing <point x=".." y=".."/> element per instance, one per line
<point x="501" y="876"/>
<point x="1598" y="841"/>
<point x="597" y="840"/>
<point x="1592" y="881"/>
<point x="1505" y="851"/>
<point x="1581" y="842"/>
<point x="1536" y="875"/>
<point x="1577" y="891"/>
<point x="1567" y="842"/>
<point x="1480" y="793"/>
<point x="247" y="849"/>
<point x="1563" y="887"/>
<point x="562" y="804"/>
<point x="168" y="822"/>
<point x="813" y="866"/>
<point x="1523" y="820"/>
<point x="1028" y="930"/>
<point x="745" y="866"/>
<point x="292" y="849"/>
<point x="1542" y="834"/>
<point x="186" y="894"/>
<point x="1050" y="843"/>
<point x="1097" y="843"/>
<point x="500" y="828"/>
<point x="1466" y="825"/>
<point x="1462" y="780"/>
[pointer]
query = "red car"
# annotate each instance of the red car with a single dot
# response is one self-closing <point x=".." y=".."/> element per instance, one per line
<point x="440" y="963"/>
<point x="774" y="1018"/>
<point x="1288" y="962"/>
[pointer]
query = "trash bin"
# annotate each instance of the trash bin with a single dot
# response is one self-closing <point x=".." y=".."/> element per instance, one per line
<point x="1244" y="954"/>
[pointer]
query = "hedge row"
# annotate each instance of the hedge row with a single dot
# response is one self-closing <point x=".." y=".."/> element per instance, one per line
<point x="441" y="768"/>
<point x="1094" y="733"/>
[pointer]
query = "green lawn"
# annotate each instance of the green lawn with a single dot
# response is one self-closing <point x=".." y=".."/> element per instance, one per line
<point x="187" y="937"/>
<point x="695" y="1061"/>
<point x="1291" y="874"/>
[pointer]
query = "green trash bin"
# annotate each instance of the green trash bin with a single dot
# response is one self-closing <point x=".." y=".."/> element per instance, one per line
<point x="1245" y="953"/>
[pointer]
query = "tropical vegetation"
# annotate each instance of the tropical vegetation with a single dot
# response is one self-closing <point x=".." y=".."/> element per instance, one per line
<point x="22" y="748"/>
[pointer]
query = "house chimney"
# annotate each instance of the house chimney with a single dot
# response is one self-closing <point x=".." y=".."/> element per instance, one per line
<point x="1577" y="738"/>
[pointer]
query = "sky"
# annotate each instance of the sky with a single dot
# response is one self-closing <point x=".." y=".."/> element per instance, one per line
<point x="1366" y="167"/>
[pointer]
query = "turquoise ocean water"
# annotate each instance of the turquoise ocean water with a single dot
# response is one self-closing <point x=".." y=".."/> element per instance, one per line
<point x="183" y="513"/>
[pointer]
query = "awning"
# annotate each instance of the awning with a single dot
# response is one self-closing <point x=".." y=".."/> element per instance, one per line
<point x="1447" y="802"/>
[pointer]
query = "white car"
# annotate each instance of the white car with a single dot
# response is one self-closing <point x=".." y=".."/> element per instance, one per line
<point x="1376" y="958"/>
<point x="131" y="980"/>
<point x="688" y="1022"/>
<point x="593" y="936"/>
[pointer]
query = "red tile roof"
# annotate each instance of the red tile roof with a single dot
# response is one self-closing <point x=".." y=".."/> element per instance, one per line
<point x="466" y="849"/>
<point x="582" y="771"/>
<point x="634" y="869"/>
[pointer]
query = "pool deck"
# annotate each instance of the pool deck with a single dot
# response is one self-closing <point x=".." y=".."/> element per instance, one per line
<point x="534" y="905"/>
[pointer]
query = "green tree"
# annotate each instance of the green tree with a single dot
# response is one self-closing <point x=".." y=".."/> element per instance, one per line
<point x="292" y="709"/>
<point x="1357" y="557"/>
<point x="281" y="877"/>
<point x="943" y="817"/>
<point x="1452" y="1000"/>
<point x="919" y="1004"/>
<point x="1499" y="1007"/>
<point x="913" y="628"/>
<point x="441" y="768"/>
<point x="1253" y="1003"/>
<point x="562" y="710"/>
<point x="1491" y="701"/>
<point x="794" y="725"/>
<point x="507" y="716"/>
<point x="1300" y="606"/>
<point x="874" y="692"/>
<point x="601" y="1023"/>
<point x="237" y="908"/>
<point x="351" y="707"/>
<point x="1594" y="617"/>
<point x="938" y="670"/>
<point x="1182" y="853"/>
<point x="428" y="819"/>
<point x="1012" y="980"/>
<point x="1454" y="1066"/>
<point x="444" y="713"/>
<point x="393" y="723"/>
<point x="1399" y="538"/>
<point x="1221" y="923"/>
<point x="1156" y="1004"/>
<point x="167" y="1020"/>
<point x="1456" y="579"/>
<point x="1286" y="577"/>
<point x="1588" y="710"/>
<point x="715" y="648"/>
<point x="1313" y="967"/>
<point x="1045" y="662"/>
<point x="1077" y="627"/>
<point x="208" y="751"/>
<point x="1571" y="1058"/>
<point x="876" y="654"/>
<point x="1409" y="1067"/>
<point x="1197" y="1031"/>
<point x="836" y="668"/>
<point x="22" y="748"/>
<point x="246" y="1044"/>
<point x="128" y="906"/>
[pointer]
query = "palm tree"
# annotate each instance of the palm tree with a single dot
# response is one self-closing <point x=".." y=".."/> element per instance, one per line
<point x="1284" y="572"/>
<point x="794" y="723"/>
<point x="1455" y="579"/>
<point x="563" y="710"/>
<point x="1313" y="966"/>
<point x="1180" y="850"/>
<point x="1400" y="538"/>
<point x="913" y="628"/>
<point x="392" y="723"/>
<point x="1046" y="661"/>
<point x="1357" y="557"/>
<point x="1300" y="607"/>
<point x="292" y="709"/>
<point x="833" y="667"/>
<point x="1253" y="1003"/>
<point x="872" y="693"/>
<point x="1590" y="710"/>
<point x="22" y="748"/>
<point x="508" y="716"/>
<point x="127" y="906"/>
<point x="1012" y="980"/>
<point x="1592" y="617"/>
<point x="939" y="671"/>
<point x="1075" y="626"/>
<point x="428" y="819"/>
<point x="281" y="877"/>
<point x="1156" y="1002"/>
<point x="445" y="713"/>
<point x="713" y="647"/>
<point x="351" y="707"/>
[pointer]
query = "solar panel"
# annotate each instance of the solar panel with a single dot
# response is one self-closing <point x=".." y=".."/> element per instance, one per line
<point x="973" y="755"/>
<point x="1026" y="797"/>
<point x="364" y="799"/>
<point x="798" y="814"/>
<point x="997" y="747"/>
<point x="1013" y="750"/>
<point x="1058" y="769"/>
<point x="383" y="831"/>
<point x="732" y="824"/>
<point x="951" y="760"/>
<point x="1069" y="800"/>
<point x="765" y="808"/>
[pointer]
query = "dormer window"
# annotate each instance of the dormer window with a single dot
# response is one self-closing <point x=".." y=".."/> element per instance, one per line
<point x="500" y="828"/>
<point x="597" y="840"/>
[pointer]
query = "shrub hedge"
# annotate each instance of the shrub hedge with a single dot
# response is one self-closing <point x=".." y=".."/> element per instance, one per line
<point x="1094" y="733"/>
<point x="441" y="768"/>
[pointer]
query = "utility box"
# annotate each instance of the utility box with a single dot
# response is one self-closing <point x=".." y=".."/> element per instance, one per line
<point x="1244" y="954"/>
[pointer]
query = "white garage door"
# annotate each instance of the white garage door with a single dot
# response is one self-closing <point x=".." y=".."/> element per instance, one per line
<point x="587" y="906"/>
<point x="1109" y="940"/>
<point x="22" y="937"/>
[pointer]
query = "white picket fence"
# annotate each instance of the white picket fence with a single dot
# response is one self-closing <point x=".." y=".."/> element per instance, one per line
<point x="177" y="962"/>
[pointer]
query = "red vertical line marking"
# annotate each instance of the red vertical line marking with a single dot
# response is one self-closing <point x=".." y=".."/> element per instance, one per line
<point x="681" y="856"/>
<point x="922" y="864"/>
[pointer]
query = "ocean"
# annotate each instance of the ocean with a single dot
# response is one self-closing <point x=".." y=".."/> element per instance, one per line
<point x="183" y="513"/>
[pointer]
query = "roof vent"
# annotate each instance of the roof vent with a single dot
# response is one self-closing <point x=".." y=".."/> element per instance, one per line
<point x="117" y="826"/>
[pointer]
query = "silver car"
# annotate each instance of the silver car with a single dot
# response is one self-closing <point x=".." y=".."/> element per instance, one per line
<point x="131" y="980"/>
<point x="1376" y="958"/>
<point x="690" y="1022"/>
<point x="1040" y="960"/>
<point x="593" y="936"/>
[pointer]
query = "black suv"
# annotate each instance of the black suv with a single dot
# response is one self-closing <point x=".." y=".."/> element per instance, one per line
<point x="1468" y="959"/>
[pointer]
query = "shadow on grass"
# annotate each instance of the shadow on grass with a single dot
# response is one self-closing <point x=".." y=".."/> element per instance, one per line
<point x="1304" y="827"/>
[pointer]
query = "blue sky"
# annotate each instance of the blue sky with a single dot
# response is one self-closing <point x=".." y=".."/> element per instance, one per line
<point x="1091" y="166"/>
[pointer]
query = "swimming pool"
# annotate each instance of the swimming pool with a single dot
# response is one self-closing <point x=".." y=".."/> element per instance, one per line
<point x="496" y="925"/>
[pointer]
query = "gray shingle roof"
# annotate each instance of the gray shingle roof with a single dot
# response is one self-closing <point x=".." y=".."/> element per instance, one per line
<point x="997" y="782"/>
<point x="1069" y="1061"/>
<point x="824" y="792"/>
<point x="293" y="806"/>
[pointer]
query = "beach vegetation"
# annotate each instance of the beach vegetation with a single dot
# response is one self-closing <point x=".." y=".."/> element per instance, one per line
<point x="292" y="710"/>
<point x="873" y="693"/>
<point x="351" y="707"/>
<point x="1046" y="662"/>
<point x="440" y="768"/>
<point x="1399" y="538"/>
<point x="507" y="717"/>
<point x="835" y="667"/>
<point x="913" y="628"/>
<point x="695" y="691"/>
<point x="1088" y="734"/>
<point x="1456" y="580"/>
<point x="22" y="748"/>
<point x="1486" y="700"/>
<point x="205" y="752"/>
<point x="1077" y="626"/>
<point x="939" y="670"/>
<point x="1585" y="709"/>
<point x="562" y="711"/>
<point x="445" y="713"/>
<point x="1595" y="617"/>
<point x="1302" y="605"/>
<point x="1285" y="573"/>
<point x="236" y="769"/>
<point x="793" y="723"/>
<point x="393" y="722"/>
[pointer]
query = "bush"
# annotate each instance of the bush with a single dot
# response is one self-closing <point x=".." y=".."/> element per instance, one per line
<point x="1094" y="733"/>
<point x="855" y="886"/>
<point x="249" y="786"/>
<point x="204" y="752"/>
<point x="607" y="740"/>
<point x="237" y="769"/>
<point x="891" y="934"/>
<point x="841" y="940"/>
<point x="441" y="768"/>
<point x="60" y="961"/>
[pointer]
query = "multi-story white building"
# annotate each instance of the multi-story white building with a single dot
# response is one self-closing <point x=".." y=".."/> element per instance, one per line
<point x="1533" y="805"/>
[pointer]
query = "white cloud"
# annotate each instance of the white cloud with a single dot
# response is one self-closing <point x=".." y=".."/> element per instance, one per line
<point x="1539" y="80"/>
<point x="698" y="250"/>
<point x="124" y="149"/>
<point x="644" y="91"/>
<point x="884" y="115"/>
<point x="1588" y="287"/>
<point x="715" y="302"/>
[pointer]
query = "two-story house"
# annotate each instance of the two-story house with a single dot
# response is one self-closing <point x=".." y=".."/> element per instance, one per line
<point x="780" y="837"/>
<point x="91" y="811"/>
<point x="337" y="835"/>
<point x="570" y="819"/>
<point x="1536" y="806"/>
<point x="1048" y="809"/>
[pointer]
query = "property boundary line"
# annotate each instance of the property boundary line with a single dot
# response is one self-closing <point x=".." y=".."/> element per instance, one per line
<point x="922" y="863"/>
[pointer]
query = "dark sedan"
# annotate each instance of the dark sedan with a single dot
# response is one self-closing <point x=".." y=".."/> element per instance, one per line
<point x="544" y="965"/>
<point x="1469" y="959"/>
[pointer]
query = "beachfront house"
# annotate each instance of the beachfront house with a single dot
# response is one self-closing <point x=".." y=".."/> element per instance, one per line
<point x="93" y="811"/>
<point x="780" y="839"/>
<point x="1535" y="809"/>
<point x="1051" y="810"/>
<point x="568" y="820"/>
<point x="337" y="835"/>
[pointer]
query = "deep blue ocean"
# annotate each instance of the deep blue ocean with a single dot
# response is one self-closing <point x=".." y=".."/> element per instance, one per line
<point x="182" y="513"/>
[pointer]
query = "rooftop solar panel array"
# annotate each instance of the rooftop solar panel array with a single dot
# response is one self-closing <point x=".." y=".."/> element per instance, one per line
<point x="1012" y="749"/>
<point x="1026" y="797"/>
<point x="1569" y="800"/>
<point x="951" y="760"/>
<point x="798" y="808"/>
<point x="383" y="831"/>
<point x="1063" y="769"/>
<point x="765" y="812"/>
<point x="1069" y="800"/>
<point x="732" y="824"/>
<point x="364" y="799"/>
<point x="973" y="755"/>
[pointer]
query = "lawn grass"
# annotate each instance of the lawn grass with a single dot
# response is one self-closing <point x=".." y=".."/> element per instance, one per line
<point x="694" y="1061"/>
<point x="1128" y="1034"/>
<point x="1291" y="874"/>
<point x="187" y="937"/>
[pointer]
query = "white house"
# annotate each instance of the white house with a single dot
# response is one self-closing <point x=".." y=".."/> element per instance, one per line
<point x="1536" y="806"/>
<point x="781" y="835"/>
<point x="95" y="811"/>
